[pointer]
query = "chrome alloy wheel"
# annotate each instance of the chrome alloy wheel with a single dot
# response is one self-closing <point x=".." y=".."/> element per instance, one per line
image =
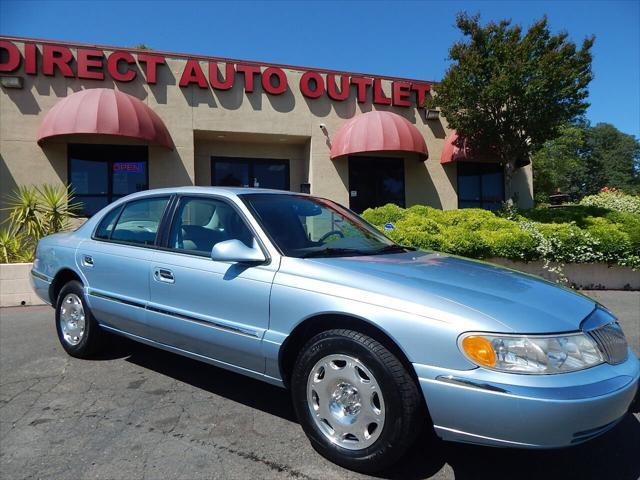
<point x="72" y="319"/>
<point x="345" y="401"/>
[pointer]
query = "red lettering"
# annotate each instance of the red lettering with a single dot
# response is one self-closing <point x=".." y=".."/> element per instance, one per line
<point x="88" y="60"/>
<point x="193" y="74"/>
<point x="249" y="71"/>
<point x="362" y="84"/>
<point x="401" y="93"/>
<point x="12" y="62"/>
<point x="151" y="66"/>
<point x="421" y="92"/>
<point x="229" y="79"/>
<point x="112" y="66"/>
<point x="56" y="57"/>
<point x="30" y="59"/>
<point x="268" y="87"/>
<point x="378" y="94"/>
<point x="306" y="85"/>
<point x="332" y="89"/>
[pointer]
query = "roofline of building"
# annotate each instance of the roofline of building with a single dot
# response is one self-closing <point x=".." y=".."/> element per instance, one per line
<point x="209" y="58"/>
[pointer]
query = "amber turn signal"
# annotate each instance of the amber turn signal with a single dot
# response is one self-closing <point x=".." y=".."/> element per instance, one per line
<point x="479" y="350"/>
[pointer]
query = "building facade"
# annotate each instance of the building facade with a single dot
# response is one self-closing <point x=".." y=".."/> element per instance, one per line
<point x="110" y="121"/>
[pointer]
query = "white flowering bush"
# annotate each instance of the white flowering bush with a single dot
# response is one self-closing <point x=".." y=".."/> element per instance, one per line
<point x="612" y="199"/>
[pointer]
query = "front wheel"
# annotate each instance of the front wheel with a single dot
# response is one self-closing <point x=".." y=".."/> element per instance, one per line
<point x="355" y="400"/>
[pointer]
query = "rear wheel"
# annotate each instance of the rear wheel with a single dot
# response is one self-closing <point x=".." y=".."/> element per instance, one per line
<point x="78" y="332"/>
<point x="355" y="400"/>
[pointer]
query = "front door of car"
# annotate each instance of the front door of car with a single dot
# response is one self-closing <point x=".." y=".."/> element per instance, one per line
<point x="216" y="309"/>
<point x="116" y="262"/>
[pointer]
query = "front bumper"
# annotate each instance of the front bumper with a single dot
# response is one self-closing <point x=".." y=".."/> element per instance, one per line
<point x="528" y="411"/>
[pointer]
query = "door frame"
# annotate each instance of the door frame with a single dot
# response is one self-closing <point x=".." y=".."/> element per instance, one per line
<point x="401" y="160"/>
<point x="252" y="161"/>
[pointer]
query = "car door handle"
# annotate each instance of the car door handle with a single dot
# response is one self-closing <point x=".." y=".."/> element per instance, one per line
<point x="164" y="275"/>
<point x="87" y="260"/>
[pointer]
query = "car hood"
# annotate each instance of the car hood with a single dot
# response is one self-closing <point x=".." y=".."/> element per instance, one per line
<point x="489" y="296"/>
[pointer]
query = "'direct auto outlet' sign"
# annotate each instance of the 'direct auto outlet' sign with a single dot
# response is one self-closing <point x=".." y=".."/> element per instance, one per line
<point x="218" y="74"/>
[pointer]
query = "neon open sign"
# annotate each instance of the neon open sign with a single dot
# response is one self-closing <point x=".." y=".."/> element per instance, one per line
<point x="128" y="167"/>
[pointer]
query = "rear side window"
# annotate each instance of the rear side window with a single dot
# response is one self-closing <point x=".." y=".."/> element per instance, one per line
<point x="140" y="220"/>
<point x="106" y="225"/>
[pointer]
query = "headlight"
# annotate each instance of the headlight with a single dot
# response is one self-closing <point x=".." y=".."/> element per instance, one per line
<point x="541" y="354"/>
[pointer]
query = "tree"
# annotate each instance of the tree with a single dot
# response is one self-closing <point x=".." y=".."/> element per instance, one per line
<point x="141" y="46"/>
<point x="507" y="93"/>
<point x="584" y="159"/>
<point x="555" y="164"/>
<point x="612" y="160"/>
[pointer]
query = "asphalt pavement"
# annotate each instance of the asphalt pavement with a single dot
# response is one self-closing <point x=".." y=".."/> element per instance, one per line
<point x="137" y="412"/>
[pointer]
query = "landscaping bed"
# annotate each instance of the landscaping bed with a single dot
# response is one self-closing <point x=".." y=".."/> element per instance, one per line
<point x="554" y="237"/>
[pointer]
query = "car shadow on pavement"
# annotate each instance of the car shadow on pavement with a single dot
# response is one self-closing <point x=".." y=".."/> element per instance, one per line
<point x="239" y="388"/>
<point x="614" y="455"/>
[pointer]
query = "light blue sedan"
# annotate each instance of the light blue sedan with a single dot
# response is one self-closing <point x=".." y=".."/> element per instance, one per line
<point x="373" y="339"/>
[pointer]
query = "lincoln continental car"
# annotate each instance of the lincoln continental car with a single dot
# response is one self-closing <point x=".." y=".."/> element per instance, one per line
<point x="374" y="340"/>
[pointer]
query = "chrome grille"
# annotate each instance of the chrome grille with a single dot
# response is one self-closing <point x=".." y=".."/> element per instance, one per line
<point x="611" y="342"/>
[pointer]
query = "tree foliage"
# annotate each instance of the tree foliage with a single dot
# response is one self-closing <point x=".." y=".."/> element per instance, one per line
<point x="582" y="160"/>
<point x="557" y="163"/>
<point x="508" y="91"/>
<point x="612" y="160"/>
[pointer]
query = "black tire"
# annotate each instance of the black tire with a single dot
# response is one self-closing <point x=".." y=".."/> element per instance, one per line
<point x="93" y="337"/>
<point x="404" y="406"/>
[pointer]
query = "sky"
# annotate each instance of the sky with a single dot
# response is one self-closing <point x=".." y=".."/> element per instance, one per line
<point x="404" y="39"/>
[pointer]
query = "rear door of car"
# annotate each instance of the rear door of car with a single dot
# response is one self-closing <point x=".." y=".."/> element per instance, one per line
<point x="216" y="309"/>
<point x="116" y="262"/>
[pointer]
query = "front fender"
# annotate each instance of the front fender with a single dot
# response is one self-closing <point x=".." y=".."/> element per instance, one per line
<point x="422" y="339"/>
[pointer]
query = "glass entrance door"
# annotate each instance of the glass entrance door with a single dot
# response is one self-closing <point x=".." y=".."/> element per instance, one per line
<point x="250" y="172"/>
<point x="375" y="181"/>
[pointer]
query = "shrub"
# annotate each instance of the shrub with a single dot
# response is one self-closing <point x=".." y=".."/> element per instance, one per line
<point x="576" y="234"/>
<point x="34" y="212"/>
<point x="613" y="200"/>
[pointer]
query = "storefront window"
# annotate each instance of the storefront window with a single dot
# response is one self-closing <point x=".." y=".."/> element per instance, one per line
<point x="250" y="172"/>
<point x="480" y="185"/>
<point x="100" y="174"/>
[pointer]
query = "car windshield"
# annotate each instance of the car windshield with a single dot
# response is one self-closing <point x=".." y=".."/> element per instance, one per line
<point x="306" y="227"/>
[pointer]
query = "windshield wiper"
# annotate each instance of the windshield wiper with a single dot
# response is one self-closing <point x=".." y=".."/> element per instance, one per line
<point x="394" y="248"/>
<point x="334" y="251"/>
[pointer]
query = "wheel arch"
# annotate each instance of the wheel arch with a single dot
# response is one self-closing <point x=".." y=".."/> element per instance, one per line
<point x="315" y="324"/>
<point x="64" y="276"/>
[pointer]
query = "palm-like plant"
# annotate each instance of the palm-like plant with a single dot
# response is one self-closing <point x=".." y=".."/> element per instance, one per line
<point x="25" y="211"/>
<point x="34" y="212"/>
<point x="56" y="208"/>
<point x="15" y="247"/>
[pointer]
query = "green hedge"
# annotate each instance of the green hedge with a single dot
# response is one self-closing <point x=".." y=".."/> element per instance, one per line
<point x="576" y="234"/>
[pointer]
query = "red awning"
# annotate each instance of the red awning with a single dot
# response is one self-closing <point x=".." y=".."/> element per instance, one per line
<point x="378" y="132"/>
<point x="104" y="111"/>
<point x="455" y="149"/>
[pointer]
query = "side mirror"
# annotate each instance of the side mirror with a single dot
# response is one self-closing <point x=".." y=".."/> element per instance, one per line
<point x="236" y="251"/>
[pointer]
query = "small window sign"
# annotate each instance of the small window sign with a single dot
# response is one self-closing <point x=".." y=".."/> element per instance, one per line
<point x="128" y="166"/>
<point x="389" y="226"/>
<point x="354" y="193"/>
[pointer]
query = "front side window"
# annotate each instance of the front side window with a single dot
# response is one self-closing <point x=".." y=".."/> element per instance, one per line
<point x="480" y="185"/>
<point x="312" y="227"/>
<point x="100" y="174"/>
<point x="200" y="223"/>
<point x="139" y="221"/>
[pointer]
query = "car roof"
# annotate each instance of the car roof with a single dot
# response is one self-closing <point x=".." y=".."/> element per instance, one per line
<point x="224" y="191"/>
